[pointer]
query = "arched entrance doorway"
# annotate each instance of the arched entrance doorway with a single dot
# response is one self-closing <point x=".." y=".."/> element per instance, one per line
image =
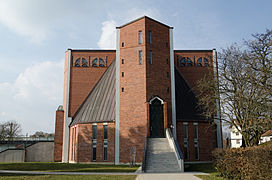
<point x="156" y="117"/>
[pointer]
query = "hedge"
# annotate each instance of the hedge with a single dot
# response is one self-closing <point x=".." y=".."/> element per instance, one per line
<point x="244" y="163"/>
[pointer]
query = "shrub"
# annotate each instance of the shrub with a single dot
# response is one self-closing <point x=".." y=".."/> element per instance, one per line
<point x="244" y="163"/>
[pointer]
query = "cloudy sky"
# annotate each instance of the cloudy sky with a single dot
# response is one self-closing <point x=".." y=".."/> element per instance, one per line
<point x="34" y="35"/>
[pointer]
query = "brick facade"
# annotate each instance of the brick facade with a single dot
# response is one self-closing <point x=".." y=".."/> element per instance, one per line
<point x="58" y="135"/>
<point x="139" y="83"/>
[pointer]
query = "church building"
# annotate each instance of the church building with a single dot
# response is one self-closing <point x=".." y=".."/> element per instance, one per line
<point x="116" y="101"/>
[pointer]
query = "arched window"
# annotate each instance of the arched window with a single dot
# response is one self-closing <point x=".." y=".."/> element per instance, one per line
<point x="206" y="62"/>
<point x="199" y="62"/>
<point x="77" y="63"/>
<point x="189" y="62"/>
<point x="101" y="63"/>
<point x="182" y="62"/>
<point x="94" y="62"/>
<point x="84" y="63"/>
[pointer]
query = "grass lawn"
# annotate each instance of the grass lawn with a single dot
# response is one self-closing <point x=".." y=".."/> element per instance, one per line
<point x="64" y="167"/>
<point x="66" y="177"/>
<point x="206" y="168"/>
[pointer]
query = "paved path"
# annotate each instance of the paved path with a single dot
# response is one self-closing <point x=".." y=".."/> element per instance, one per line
<point x="65" y="173"/>
<point x="140" y="176"/>
<point x="170" y="176"/>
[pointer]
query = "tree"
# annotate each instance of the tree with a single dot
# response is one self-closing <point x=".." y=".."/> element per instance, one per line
<point x="9" y="130"/>
<point x="244" y="87"/>
<point x="41" y="134"/>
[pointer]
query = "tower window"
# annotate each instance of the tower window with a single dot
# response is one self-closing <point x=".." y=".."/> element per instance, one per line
<point x="206" y="62"/>
<point x="123" y="74"/>
<point x="182" y="62"/>
<point x="94" y="62"/>
<point x="167" y="61"/>
<point x="141" y="57"/>
<point x="150" y="57"/>
<point x="166" y="44"/>
<point x="123" y="89"/>
<point x="168" y="90"/>
<point x="149" y="37"/>
<point x="123" y="44"/>
<point x="167" y="74"/>
<point x="84" y="63"/>
<point x="101" y="62"/>
<point x="140" y="37"/>
<point x="77" y="63"/>
<point x="199" y="62"/>
<point x="123" y="61"/>
<point x="189" y="62"/>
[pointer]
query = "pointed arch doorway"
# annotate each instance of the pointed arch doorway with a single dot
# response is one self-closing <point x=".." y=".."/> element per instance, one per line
<point x="156" y="118"/>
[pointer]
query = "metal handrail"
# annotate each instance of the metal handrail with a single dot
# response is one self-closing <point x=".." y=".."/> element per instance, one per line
<point x="176" y="149"/>
<point x="144" y="155"/>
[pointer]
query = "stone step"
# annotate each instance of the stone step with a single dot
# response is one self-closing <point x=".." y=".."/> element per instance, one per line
<point x="160" y="157"/>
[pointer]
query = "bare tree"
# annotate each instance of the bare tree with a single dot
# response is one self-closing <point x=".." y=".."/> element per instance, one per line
<point x="9" y="130"/>
<point x="244" y="85"/>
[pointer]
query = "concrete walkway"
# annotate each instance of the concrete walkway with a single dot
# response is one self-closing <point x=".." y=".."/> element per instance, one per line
<point x="140" y="176"/>
<point x="170" y="176"/>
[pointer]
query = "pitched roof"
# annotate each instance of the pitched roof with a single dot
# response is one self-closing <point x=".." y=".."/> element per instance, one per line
<point x="267" y="133"/>
<point x="186" y="100"/>
<point x="99" y="105"/>
<point x="142" y="18"/>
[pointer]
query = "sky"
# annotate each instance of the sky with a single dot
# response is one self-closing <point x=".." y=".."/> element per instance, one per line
<point x="34" y="35"/>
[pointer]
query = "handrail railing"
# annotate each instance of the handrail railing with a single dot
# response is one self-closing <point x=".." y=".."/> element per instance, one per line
<point x="175" y="146"/>
<point x="144" y="155"/>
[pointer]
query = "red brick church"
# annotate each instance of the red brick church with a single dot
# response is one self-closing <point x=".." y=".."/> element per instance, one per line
<point x="114" y="101"/>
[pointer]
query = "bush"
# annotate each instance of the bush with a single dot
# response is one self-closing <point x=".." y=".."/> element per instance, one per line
<point x="244" y="163"/>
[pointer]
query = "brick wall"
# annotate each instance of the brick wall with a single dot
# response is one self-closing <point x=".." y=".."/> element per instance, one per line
<point x="133" y="112"/>
<point x="58" y="136"/>
<point x="194" y="73"/>
<point x="83" y="79"/>
<point x="80" y="148"/>
<point x="158" y="75"/>
<point x="206" y="140"/>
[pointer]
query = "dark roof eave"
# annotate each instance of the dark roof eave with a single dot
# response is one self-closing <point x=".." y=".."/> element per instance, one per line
<point x="92" y="50"/>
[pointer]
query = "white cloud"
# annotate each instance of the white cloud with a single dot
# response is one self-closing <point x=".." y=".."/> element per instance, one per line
<point x="108" y="36"/>
<point x="33" y="97"/>
<point x="19" y="17"/>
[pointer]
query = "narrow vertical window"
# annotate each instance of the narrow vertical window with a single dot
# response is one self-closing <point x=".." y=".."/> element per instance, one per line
<point x="167" y="61"/>
<point x="186" y="149"/>
<point x="195" y="131"/>
<point x="123" y="74"/>
<point x="150" y="57"/>
<point x="105" y="142"/>
<point x="196" y="141"/>
<point x="105" y="132"/>
<point x="149" y="37"/>
<point x="141" y="57"/>
<point x="94" y="131"/>
<point x="123" y="61"/>
<point x="123" y="89"/>
<point x="196" y="151"/>
<point x="167" y="74"/>
<point x="140" y="36"/>
<point x="185" y="129"/>
<point x="123" y="44"/>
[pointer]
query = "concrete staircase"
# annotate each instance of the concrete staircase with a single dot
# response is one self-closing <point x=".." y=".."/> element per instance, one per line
<point x="160" y="157"/>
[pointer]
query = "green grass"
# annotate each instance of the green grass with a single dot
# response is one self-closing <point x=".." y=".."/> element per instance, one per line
<point x="66" y="177"/>
<point x="64" y="167"/>
<point x="205" y="168"/>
